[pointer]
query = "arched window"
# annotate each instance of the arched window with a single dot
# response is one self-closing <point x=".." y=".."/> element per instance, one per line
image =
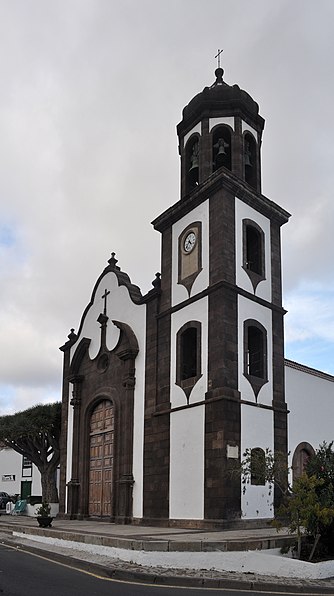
<point x="302" y="454"/>
<point x="250" y="160"/>
<point x="258" y="466"/>
<point x="253" y="251"/>
<point x="188" y="356"/>
<point x="188" y="353"/>
<point x="192" y="163"/>
<point x="221" y="148"/>
<point x="255" y="354"/>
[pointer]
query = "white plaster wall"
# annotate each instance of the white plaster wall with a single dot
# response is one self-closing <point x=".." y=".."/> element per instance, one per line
<point x="243" y="211"/>
<point x="121" y="308"/>
<point x="229" y="120"/>
<point x="187" y="426"/>
<point x="247" y="127"/>
<point x="197" y="311"/>
<point x="186" y="490"/>
<point x="247" y="309"/>
<point x="11" y="463"/>
<point x="310" y="400"/>
<point x="197" y="128"/>
<point x="257" y="426"/>
<point x="179" y="292"/>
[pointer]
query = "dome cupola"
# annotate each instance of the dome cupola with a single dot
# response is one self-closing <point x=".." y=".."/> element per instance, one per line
<point x="221" y="129"/>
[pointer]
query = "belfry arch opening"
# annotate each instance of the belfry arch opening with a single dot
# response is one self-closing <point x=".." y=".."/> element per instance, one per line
<point x="192" y="163"/>
<point x="250" y="160"/>
<point x="221" y="148"/>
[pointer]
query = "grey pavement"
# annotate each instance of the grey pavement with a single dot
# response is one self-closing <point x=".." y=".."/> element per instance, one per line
<point x="152" y="539"/>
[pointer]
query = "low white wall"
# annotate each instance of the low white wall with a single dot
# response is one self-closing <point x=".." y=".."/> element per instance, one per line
<point x="268" y="562"/>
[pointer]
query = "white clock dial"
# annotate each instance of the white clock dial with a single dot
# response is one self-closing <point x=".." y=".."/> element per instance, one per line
<point x="189" y="242"/>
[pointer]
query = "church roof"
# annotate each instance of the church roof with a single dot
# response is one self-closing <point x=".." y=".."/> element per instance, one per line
<point x="220" y="97"/>
<point x="309" y="370"/>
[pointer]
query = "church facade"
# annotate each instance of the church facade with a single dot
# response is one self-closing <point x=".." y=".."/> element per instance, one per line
<point x="163" y="392"/>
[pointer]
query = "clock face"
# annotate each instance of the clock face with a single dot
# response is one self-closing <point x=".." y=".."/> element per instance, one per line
<point x="189" y="242"/>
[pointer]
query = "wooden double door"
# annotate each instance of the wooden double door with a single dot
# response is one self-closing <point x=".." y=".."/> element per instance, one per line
<point x="101" y="460"/>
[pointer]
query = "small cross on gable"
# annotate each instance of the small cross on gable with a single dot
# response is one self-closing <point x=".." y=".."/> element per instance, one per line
<point x="104" y="297"/>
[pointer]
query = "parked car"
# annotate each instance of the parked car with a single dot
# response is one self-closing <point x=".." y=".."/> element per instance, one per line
<point x="4" y="498"/>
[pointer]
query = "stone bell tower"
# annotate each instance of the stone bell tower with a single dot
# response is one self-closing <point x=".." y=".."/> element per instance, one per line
<point x="220" y="362"/>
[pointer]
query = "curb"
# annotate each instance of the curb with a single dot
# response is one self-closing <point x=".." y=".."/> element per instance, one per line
<point x="145" y="577"/>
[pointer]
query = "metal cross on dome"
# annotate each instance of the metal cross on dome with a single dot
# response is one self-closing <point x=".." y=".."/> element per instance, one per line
<point x="218" y="56"/>
<point x="106" y="293"/>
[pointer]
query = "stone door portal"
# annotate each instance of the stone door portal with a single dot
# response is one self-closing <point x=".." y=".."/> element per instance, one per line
<point x="101" y="460"/>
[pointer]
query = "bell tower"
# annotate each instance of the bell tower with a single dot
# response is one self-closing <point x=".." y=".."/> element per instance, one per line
<point x="218" y="381"/>
<point x="221" y="128"/>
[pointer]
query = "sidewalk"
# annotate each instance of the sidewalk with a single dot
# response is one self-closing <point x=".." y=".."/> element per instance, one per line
<point x="148" y="538"/>
<point x="172" y="556"/>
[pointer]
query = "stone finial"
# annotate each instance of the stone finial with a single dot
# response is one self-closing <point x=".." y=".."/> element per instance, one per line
<point x="156" y="283"/>
<point x="112" y="261"/>
<point x="71" y="336"/>
<point x="219" y="72"/>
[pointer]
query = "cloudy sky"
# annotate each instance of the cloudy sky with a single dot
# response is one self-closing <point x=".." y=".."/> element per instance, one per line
<point x="91" y="91"/>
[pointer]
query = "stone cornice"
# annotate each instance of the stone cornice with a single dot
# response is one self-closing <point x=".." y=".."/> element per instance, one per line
<point x="222" y="179"/>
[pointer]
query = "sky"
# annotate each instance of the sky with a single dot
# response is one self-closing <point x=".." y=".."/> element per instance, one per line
<point x="91" y="92"/>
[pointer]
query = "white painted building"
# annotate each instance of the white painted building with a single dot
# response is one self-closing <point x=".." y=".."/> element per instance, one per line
<point x="18" y="476"/>
<point x="310" y="398"/>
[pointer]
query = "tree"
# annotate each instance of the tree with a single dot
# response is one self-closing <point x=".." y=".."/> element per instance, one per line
<point x="35" y="433"/>
<point x="307" y="512"/>
<point x="321" y="465"/>
<point x="307" y="507"/>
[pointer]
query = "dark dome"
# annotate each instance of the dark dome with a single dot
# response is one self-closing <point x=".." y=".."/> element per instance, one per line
<point x="220" y="99"/>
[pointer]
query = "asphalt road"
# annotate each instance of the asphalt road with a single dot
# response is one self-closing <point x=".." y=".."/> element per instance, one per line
<point x="28" y="574"/>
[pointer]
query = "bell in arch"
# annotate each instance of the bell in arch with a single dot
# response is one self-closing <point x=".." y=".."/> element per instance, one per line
<point x="248" y="154"/>
<point x="194" y="163"/>
<point x="221" y="147"/>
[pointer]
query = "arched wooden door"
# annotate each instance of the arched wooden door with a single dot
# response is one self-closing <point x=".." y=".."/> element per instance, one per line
<point x="101" y="459"/>
<point x="303" y="452"/>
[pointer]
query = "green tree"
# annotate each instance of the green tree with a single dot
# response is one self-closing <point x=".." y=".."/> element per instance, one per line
<point x="307" y="507"/>
<point x="35" y="433"/>
<point x="321" y="465"/>
<point x="306" y="511"/>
